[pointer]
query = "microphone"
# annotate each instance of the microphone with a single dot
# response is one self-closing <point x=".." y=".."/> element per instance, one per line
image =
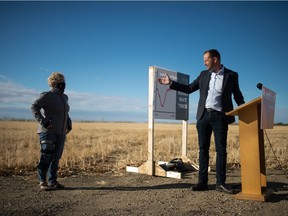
<point x="259" y="86"/>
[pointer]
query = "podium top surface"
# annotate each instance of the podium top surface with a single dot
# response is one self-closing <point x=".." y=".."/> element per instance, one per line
<point x="235" y="112"/>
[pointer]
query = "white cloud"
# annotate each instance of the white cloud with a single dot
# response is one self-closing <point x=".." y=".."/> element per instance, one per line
<point x="14" y="96"/>
<point x="16" y="100"/>
<point x="93" y="102"/>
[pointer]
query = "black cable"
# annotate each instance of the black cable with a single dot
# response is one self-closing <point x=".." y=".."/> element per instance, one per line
<point x="275" y="155"/>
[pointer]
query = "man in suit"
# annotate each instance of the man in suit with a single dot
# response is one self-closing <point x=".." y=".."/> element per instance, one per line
<point x="216" y="86"/>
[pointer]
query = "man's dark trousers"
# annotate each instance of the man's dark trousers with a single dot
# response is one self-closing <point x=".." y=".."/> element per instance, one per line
<point x="212" y="121"/>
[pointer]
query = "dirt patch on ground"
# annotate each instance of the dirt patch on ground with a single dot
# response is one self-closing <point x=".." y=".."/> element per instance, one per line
<point x="135" y="194"/>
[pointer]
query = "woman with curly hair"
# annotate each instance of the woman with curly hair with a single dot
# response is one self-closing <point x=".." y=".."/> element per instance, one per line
<point x="51" y="112"/>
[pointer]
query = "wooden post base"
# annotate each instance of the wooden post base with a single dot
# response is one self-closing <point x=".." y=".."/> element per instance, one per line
<point x="265" y="194"/>
<point x="158" y="170"/>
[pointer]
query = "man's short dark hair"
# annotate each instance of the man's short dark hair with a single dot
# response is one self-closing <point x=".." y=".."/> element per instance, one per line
<point x="214" y="53"/>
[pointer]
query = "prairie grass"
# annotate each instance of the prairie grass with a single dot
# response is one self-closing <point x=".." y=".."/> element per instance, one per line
<point x="102" y="147"/>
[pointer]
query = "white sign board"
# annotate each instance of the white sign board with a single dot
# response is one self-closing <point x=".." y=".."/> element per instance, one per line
<point x="168" y="103"/>
<point x="267" y="108"/>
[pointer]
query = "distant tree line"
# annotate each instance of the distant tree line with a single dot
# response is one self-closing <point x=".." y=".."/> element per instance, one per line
<point x="280" y="124"/>
<point x="29" y="120"/>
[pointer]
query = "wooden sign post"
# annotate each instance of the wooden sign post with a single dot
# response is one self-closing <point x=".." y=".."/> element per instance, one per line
<point x="164" y="104"/>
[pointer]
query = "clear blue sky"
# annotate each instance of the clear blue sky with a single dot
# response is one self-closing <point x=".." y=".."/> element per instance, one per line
<point x="105" y="48"/>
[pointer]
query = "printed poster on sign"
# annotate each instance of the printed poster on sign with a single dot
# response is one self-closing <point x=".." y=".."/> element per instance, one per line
<point x="168" y="103"/>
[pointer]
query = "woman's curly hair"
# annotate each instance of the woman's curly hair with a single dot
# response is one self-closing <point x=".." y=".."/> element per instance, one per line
<point x="55" y="78"/>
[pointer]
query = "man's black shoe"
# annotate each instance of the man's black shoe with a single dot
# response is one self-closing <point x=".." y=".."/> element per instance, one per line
<point x="224" y="188"/>
<point x="199" y="187"/>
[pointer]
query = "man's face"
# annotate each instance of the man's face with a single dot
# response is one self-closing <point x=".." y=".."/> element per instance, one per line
<point x="209" y="61"/>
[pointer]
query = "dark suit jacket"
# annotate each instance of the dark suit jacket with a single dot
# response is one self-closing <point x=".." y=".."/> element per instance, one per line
<point x="230" y="86"/>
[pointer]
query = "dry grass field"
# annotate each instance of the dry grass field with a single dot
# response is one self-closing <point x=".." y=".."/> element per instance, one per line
<point x="102" y="147"/>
